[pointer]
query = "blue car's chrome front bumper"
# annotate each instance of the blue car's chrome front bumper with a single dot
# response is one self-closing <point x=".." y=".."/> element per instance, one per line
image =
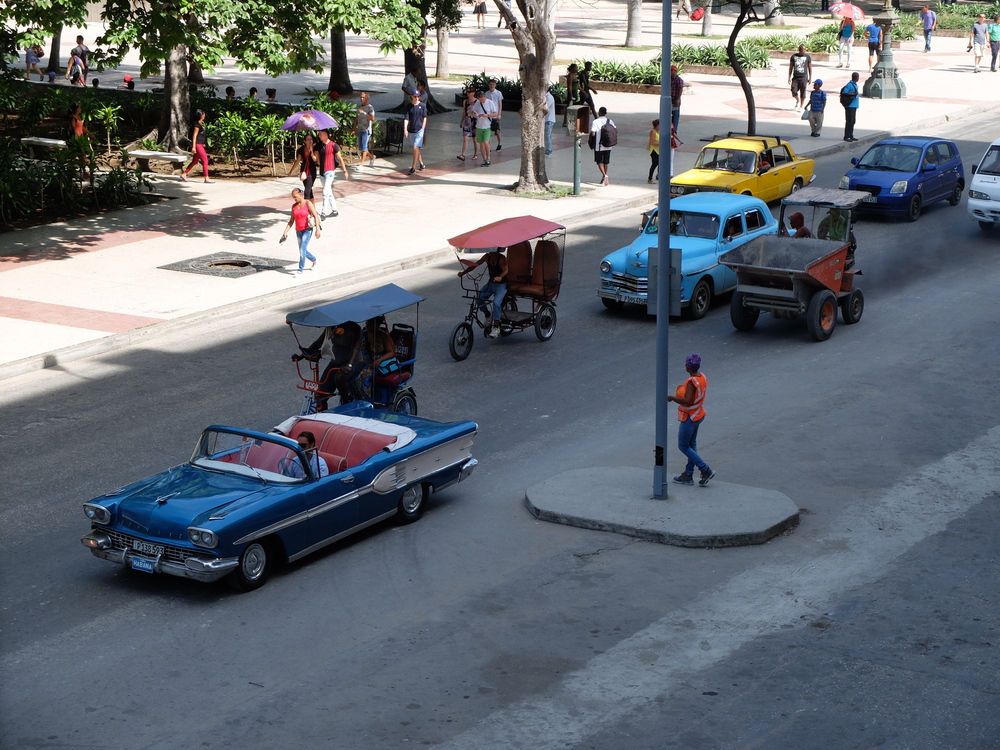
<point x="204" y="568"/>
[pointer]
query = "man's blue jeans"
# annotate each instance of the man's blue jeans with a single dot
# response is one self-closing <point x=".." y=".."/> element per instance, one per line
<point x="687" y="441"/>
<point x="928" y="33"/>
<point x="498" y="289"/>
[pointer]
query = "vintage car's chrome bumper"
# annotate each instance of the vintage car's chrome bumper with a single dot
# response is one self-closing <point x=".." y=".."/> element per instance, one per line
<point x="204" y="568"/>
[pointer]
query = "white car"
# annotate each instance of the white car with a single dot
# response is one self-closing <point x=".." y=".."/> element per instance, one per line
<point x="984" y="188"/>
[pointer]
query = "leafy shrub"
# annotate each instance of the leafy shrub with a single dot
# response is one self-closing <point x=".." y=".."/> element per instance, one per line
<point x="511" y="89"/>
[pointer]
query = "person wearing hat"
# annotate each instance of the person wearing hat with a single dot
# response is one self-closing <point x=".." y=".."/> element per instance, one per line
<point x="414" y="123"/>
<point x="690" y="400"/>
<point x="817" y="103"/>
<point x="676" y="91"/>
<point x="127" y="83"/>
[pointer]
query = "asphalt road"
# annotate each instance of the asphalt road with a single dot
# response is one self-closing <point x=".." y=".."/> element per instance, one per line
<point x="874" y="623"/>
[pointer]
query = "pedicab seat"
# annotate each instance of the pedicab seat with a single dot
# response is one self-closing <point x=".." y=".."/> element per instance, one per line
<point x="544" y="284"/>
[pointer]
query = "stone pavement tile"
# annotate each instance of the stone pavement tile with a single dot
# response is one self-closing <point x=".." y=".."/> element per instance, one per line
<point x="73" y="317"/>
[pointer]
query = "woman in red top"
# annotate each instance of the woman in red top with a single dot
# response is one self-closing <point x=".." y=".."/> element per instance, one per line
<point x="304" y="217"/>
<point x="199" y="139"/>
<point x="690" y="400"/>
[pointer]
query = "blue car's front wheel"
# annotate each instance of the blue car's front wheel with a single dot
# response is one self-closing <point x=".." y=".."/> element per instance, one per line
<point x="254" y="565"/>
<point x="913" y="210"/>
<point x="701" y="300"/>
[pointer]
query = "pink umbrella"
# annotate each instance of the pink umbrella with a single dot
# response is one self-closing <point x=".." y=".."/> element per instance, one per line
<point x="310" y="119"/>
<point x="847" y="10"/>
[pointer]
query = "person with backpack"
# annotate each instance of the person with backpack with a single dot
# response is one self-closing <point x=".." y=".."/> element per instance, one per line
<point x="603" y="137"/>
<point x="849" y="99"/>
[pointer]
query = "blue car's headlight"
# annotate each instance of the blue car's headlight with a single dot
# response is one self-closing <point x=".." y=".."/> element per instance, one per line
<point x="845" y="183"/>
<point x="605" y="267"/>
<point x="978" y="196"/>
<point x="898" y="187"/>
<point x="97" y="513"/>
<point x="203" y="537"/>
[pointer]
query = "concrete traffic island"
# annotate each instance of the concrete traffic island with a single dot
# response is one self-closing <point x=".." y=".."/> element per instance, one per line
<point x="620" y="499"/>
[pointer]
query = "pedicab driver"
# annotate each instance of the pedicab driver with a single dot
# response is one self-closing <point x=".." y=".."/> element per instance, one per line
<point x="307" y="442"/>
<point x="496" y="266"/>
<point x="690" y="400"/>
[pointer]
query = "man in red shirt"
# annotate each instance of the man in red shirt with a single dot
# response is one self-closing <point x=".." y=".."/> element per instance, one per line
<point x="329" y="156"/>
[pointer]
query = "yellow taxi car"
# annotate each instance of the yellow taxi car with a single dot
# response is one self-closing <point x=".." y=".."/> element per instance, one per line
<point x="763" y="166"/>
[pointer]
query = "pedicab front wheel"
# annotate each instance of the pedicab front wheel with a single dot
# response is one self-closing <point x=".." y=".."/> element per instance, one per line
<point x="460" y="344"/>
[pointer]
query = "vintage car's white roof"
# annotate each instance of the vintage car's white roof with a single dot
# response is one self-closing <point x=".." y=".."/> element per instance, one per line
<point x="404" y="435"/>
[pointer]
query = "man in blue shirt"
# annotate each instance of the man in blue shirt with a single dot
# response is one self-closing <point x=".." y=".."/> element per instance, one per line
<point x="849" y="98"/>
<point x="817" y="103"/>
<point x="873" y="33"/>
<point x="929" y="17"/>
<point x="317" y="464"/>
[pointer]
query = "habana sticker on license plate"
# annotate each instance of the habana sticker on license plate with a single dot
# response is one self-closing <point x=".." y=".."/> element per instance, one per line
<point x="141" y="563"/>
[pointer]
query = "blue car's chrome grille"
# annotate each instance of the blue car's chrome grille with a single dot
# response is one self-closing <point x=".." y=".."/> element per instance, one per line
<point x="170" y="554"/>
<point x="629" y="284"/>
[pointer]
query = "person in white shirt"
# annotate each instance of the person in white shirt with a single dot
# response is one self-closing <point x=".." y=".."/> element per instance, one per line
<point x="317" y="464"/>
<point x="485" y="111"/>
<point x="550" y="120"/>
<point x="496" y="97"/>
<point x="602" y="154"/>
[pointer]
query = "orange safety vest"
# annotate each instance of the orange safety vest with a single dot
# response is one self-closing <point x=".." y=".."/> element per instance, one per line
<point x="696" y="411"/>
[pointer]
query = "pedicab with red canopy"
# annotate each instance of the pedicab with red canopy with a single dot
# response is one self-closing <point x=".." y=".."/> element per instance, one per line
<point x="534" y="249"/>
<point x="389" y="385"/>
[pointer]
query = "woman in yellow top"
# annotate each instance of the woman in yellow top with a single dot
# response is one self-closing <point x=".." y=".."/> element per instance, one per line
<point x="690" y="400"/>
<point x="654" y="151"/>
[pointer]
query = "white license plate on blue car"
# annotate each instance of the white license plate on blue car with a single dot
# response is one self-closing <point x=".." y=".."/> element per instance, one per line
<point x="141" y="563"/>
<point x="632" y="298"/>
<point x="870" y="199"/>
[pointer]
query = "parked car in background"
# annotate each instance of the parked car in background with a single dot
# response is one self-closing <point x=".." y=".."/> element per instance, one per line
<point x="247" y="500"/>
<point x="984" y="188"/>
<point x="763" y="166"/>
<point x="702" y="226"/>
<point x="907" y="173"/>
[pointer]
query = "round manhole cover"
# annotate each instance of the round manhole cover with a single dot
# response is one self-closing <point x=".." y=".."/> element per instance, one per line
<point x="229" y="265"/>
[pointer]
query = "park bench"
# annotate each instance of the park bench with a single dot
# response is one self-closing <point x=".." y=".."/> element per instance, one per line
<point x="41" y="146"/>
<point x="143" y="158"/>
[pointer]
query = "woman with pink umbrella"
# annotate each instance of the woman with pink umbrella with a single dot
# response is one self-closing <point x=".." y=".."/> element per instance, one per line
<point x="850" y="15"/>
<point x="310" y="119"/>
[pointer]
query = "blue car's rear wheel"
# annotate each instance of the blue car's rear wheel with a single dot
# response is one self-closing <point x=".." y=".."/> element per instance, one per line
<point x="411" y="504"/>
<point x="254" y="565"/>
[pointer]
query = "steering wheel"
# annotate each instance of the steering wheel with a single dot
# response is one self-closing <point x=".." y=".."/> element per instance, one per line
<point x="285" y="466"/>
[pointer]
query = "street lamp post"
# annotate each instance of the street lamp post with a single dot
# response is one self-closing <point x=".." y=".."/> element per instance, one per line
<point x="884" y="82"/>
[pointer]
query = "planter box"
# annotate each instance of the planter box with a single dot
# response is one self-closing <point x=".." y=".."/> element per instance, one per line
<point x="780" y="54"/>
<point x="910" y="44"/>
<point x="713" y="70"/>
<point x="627" y="88"/>
<point x="954" y="33"/>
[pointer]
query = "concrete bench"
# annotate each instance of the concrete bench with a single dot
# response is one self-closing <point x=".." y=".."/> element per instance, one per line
<point x="41" y="145"/>
<point x="143" y="158"/>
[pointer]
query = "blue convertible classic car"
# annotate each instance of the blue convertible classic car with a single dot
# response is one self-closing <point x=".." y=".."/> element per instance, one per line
<point x="703" y="226"/>
<point x="247" y="500"/>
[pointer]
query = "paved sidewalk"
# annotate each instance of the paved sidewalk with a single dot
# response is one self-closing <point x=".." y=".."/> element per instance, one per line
<point x="74" y="289"/>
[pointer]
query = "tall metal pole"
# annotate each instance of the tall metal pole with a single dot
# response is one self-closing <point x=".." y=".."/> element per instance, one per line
<point x="663" y="269"/>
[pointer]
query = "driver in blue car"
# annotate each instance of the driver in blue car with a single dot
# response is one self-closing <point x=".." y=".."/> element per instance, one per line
<point x="496" y="266"/>
<point x="307" y="442"/>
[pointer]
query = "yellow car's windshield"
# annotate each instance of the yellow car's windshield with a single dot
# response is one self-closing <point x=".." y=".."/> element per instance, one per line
<point x="726" y="160"/>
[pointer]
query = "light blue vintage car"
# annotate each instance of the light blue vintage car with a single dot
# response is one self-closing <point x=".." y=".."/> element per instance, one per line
<point x="703" y="226"/>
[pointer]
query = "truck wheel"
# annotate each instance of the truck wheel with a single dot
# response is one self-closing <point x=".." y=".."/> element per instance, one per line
<point x="460" y="343"/>
<point x="744" y="318"/>
<point x="701" y="300"/>
<point x="822" y="314"/>
<point x="853" y="306"/>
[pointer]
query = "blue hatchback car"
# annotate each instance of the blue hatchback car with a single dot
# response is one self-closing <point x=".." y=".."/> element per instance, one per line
<point x="905" y="174"/>
<point x="703" y="226"/>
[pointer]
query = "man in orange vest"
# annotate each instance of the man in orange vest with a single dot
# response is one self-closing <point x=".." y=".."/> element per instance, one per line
<point x="690" y="400"/>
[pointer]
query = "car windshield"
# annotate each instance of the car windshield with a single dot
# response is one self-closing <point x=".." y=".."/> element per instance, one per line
<point x="246" y="455"/>
<point x="726" y="159"/>
<point x="991" y="162"/>
<point x="891" y="158"/>
<point x="690" y="224"/>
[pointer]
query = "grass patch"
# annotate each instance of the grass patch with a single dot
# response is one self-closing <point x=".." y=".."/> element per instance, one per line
<point x="644" y="48"/>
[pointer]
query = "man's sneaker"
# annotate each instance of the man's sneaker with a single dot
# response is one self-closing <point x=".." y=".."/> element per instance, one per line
<point x="706" y="477"/>
<point x="486" y="163"/>
<point x="335" y="213"/>
<point x="684" y="479"/>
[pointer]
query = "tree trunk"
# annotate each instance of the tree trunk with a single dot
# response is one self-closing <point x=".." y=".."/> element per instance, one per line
<point x="772" y="13"/>
<point x="741" y="74"/>
<point x="633" y="31"/>
<point x="195" y="74"/>
<point x="535" y="41"/>
<point x="443" y="70"/>
<point x="340" y="74"/>
<point x="53" y="66"/>
<point x="173" y="127"/>
<point x="414" y="61"/>
<point x="706" y="21"/>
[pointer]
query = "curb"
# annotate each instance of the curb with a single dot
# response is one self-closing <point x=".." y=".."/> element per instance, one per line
<point x="116" y="341"/>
